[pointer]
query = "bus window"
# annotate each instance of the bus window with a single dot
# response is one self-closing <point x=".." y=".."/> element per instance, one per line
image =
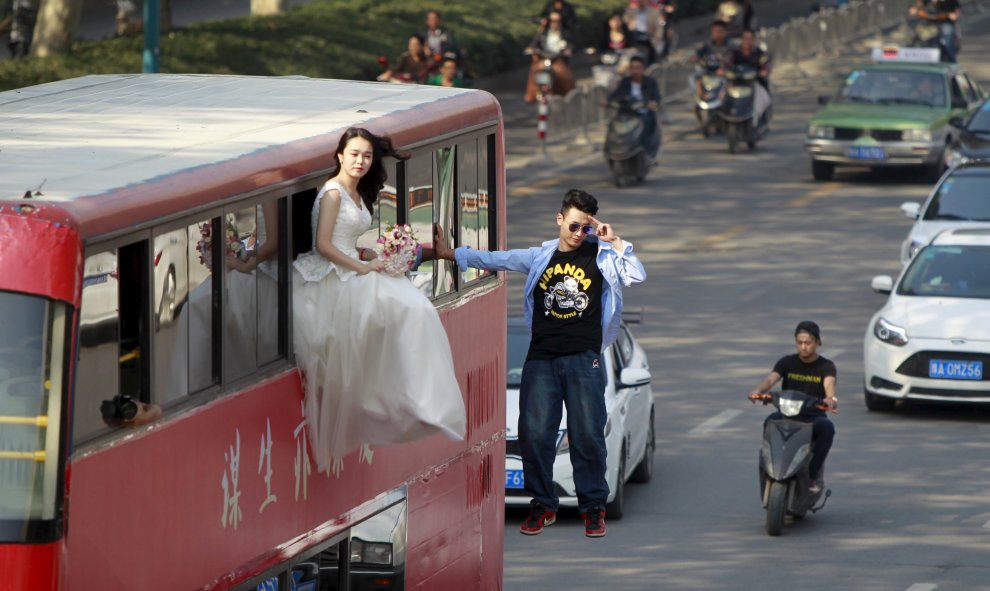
<point x="32" y="356"/>
<point x="268" y="257"/>
<point x="112" y="338"/>
<point x="467" y="192"/>
<point x="487" y="167"/>
<point x="419" y="180"/>
<point x="445" y="215"/>
<point x="183" y="308"/>
<point x="240" y="294"/>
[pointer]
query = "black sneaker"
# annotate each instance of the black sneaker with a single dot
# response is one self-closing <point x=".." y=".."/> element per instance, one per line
<point x="594" y="522"/>
<point x="539" y="517"/>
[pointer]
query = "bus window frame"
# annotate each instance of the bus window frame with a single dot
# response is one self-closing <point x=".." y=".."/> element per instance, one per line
<point x="481" y="133"/>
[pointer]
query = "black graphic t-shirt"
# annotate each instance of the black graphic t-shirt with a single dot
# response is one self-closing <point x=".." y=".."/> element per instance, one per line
<point x="805" y="377"/>
<point x="567" y="307"/>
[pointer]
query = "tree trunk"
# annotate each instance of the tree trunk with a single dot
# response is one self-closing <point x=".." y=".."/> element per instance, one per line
<point x="267" y="7"/>
<point x="56" y="26"/>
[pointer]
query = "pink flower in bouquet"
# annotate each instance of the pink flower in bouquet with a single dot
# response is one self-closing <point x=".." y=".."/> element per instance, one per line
<point x="398" y="249"/>
<point x="205" y="244"/>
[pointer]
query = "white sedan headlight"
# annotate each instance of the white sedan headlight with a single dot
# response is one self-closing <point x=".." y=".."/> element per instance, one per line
<point x="821" y="132"/>
<point x="916" y="135"/>
<point x="890" y="333"/>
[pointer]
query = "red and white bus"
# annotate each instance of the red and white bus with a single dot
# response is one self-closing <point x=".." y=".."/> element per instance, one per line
<point x="115" y="291"/>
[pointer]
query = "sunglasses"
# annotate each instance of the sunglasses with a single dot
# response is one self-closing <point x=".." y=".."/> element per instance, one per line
<point x="584" y="229"/>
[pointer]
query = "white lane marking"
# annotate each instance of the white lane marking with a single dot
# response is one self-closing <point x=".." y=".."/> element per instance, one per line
<point x="922" y="587"/>
<point x="715" y="422"/>
<point x="986" y="525"/>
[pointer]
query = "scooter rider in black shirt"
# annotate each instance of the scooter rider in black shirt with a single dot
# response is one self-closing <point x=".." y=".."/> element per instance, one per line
<point x="639" y="88"/>
<point x="808" y="372"/>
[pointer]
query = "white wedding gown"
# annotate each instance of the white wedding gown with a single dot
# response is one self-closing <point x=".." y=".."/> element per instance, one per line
<point x="375" y="359"/>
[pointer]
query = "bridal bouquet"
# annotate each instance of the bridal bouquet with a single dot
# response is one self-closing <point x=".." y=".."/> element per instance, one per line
<point x="398" y="248"/>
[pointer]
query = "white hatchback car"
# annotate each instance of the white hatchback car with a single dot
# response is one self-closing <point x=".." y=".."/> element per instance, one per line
<point x="629" y="431"/>
<point x="960" y="199"/>
<point x="931" y="341"/>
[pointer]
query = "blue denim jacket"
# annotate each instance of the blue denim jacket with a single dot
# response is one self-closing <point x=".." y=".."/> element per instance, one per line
<point x="618" y="270"/>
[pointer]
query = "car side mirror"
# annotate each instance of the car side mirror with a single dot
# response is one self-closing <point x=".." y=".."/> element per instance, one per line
<point x="634" y="377"/>
<point x="957" y="122"/>
<point x="824" y="99"/>
<point x="882" y="284"/>
<point x="911" y="209"/>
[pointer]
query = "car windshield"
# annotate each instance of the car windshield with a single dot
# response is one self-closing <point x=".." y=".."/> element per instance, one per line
<point x="32" y="353"/>
<point x="949" y="271"/>
<point x="894" y="87"/>
<point x="980" y="121"/>
<point x="961" y="197"/>
<point x="518" y="348"/>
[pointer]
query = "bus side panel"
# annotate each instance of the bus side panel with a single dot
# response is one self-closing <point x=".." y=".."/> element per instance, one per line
<point x="226" y="484"/>
<point x="31" y="566"/>
<point x="456" y="516"/>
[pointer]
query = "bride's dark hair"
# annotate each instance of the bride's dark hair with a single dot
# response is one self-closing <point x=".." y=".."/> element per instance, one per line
<point x="373" y="181"/>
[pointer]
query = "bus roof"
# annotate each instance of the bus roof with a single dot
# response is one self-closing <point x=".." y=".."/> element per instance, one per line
<point x="138" y="147"/>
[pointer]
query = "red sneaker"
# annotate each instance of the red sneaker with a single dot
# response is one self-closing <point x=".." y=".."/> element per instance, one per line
<point x="539" y="517"/>
<point x="594" y="522"/>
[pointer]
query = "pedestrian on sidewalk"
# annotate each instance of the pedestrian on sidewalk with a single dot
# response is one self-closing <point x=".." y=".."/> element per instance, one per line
<point x="573" y="306"/>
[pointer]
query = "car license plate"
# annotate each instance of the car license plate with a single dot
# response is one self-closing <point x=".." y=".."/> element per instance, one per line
<point x="946" y="369"/>
<point x="513" y="479"/>
<point x="867" y="153"/>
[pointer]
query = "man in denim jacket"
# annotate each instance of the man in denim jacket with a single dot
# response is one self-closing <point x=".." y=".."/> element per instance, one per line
<point x="573" y="306"/>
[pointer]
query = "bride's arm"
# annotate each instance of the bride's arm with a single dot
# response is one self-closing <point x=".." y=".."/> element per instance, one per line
<point x="329" y="208"/>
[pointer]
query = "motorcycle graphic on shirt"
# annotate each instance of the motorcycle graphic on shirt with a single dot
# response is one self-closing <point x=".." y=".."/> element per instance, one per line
<point x="566" y="294"/>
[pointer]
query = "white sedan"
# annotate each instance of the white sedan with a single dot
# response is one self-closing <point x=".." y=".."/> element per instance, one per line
<point x="629" y="431"/>
<point x="931" y="341"/>
<point x="960" y="199"/>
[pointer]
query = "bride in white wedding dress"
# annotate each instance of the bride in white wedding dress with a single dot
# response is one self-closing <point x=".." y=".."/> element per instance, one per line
<point x="359" y="333"/>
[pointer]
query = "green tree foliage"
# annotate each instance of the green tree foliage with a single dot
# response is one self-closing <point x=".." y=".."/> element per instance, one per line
<point x="324" y="39"/>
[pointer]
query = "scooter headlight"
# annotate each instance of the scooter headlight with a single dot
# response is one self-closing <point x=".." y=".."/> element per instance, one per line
<point x="821" y="132"/>
<point x="542" y="79"/>
<point x="790" y="408"/>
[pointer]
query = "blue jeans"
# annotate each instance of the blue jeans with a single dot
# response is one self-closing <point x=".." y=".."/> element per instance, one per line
<point x="579" y="382"/>
<point x="949" y="41"/>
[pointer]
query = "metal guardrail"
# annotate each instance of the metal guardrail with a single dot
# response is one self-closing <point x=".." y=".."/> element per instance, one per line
<point x="818" y="35"/>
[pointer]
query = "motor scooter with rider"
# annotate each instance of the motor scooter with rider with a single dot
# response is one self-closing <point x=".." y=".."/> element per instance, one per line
<point x="633" y="138"/>
<point x="708" y="80"/>
<point x="785" y="459"/>
<point x="746" y="106"/>
<point x="550" y="52"/>
<point x="934" y="26"/>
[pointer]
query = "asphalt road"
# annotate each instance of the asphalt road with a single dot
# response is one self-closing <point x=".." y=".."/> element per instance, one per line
<point x="739" y="248"/>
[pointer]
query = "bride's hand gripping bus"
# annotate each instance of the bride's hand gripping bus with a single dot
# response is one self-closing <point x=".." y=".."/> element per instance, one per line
<point x="152" y="428"/>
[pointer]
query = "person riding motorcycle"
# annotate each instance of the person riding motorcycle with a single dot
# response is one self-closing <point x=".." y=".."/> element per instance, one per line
<point x="637" y="88"/>
<point x="946" y="14"/>
<point x="808" y="372"/>
<point x="710" y="53"/>
<point x="738" y="15"/>
<point x="643" y="22"/>
<point x="566" y="10"/>
<point x="413" y="66"/>
<point x="748" y="53"/>
<point x="17" y="18"/>
<point x="553" y="42"/>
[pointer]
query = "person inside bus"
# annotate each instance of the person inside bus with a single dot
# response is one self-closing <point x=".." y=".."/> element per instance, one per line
<point x="573" y="305"/>
<point x="356" y="327"/>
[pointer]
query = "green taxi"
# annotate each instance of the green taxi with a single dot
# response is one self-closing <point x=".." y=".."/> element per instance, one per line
<point x="894" y="112"/>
